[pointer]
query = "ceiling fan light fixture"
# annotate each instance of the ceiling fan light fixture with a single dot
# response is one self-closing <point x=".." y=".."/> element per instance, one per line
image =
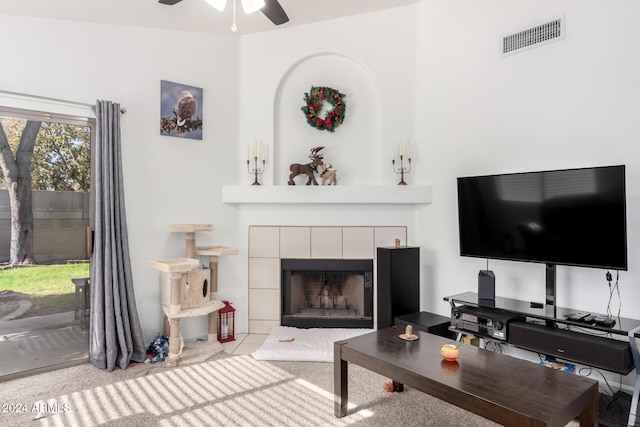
<point x="251" y="6"/>
<point x="218" y="4"/>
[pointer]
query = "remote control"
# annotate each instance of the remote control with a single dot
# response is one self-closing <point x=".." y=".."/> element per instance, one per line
<point x="609" y="322"/>
<point x="579" y="315"/>
<point x="590" y="318"/>
<point x="600" y="319"/>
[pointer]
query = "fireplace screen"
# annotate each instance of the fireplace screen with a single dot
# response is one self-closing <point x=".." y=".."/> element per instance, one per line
<point x="327" y="293"/>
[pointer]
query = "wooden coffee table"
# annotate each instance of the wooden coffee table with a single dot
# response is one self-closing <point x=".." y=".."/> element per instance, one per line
<point x="505" y="389"/>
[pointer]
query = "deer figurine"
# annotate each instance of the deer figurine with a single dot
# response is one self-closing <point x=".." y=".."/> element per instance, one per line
<point x="308" y="168"/>
<point x="328" y="174"/>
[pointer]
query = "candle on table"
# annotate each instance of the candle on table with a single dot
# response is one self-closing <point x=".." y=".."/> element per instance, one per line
<point x="408" y="331"/>
<point x="408" y="151"/>
<point x="393" y="151"/>
<point x="400" y="147"/>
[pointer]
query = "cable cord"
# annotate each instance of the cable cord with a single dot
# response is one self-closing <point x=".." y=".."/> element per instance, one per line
<point x="611" y="405"/>
<point x="613" y="288"/>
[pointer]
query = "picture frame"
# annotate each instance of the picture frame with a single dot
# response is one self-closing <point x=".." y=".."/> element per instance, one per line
<point x="181" y="110"/>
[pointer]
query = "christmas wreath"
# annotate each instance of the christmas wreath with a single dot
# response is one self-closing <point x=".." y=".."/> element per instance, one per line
<point x="315" y="112"/>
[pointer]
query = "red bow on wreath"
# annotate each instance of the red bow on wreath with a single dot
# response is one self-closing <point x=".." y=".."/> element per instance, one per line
<point x="314" y="101"/>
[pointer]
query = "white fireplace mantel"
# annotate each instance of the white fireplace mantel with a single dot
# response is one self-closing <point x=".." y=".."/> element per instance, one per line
<point x="325" y="194"/>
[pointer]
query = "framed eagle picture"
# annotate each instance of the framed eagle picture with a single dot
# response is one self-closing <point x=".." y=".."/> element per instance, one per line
<point x="180" y="110"/>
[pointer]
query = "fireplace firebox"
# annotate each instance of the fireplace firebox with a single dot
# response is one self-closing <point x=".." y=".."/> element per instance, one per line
<point x="327" y="293"/>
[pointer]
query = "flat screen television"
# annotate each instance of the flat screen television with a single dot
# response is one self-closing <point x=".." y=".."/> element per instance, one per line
<point x="573" y="217"/>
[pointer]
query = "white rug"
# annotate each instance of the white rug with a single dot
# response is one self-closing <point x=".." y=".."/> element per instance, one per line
<point x="303" y="345"/>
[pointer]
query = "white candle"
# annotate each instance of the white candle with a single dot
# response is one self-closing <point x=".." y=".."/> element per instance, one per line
<point x="264" y="152"/>
<point x="408" y="151"/>
<point x="400" y="147"/>
<point x="393" y="151"/>
<point x="255" y="148"/>
<point x="248" y="153"/>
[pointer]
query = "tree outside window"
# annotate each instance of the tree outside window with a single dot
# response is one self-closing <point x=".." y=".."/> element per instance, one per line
<point x="39" y="155"/>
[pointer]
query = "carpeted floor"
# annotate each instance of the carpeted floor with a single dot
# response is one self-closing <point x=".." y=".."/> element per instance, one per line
<point x="223" y="391"/>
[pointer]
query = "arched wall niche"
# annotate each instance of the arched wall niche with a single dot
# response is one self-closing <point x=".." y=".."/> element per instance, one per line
<point x="354" y="149"/>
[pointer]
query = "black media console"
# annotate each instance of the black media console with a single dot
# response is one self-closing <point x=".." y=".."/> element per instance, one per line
<point x="534" y="328"/>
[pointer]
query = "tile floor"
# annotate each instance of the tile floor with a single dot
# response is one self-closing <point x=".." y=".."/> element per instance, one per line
<point x="244" y="343"/>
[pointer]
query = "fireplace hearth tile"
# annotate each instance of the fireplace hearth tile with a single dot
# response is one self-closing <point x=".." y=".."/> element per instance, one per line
<point x="264" y="242"/>
<point x="326" y="242"/>
<point x="262" y="326"/>
<point x="357" y="242"/>
<point x="264" y="273"/>
<point x="295" y="242"/>
<point x="265" y="304"/>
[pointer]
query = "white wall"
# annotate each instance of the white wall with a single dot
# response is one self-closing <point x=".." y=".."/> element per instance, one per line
<point x="572" y="103"/>
<point x="369" y="57"/>
<point x="167" y="180"/>
<point x="568" y="104"/>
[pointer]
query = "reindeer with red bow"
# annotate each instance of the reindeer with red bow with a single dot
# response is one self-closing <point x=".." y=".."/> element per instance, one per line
<point x="308" y="169"/>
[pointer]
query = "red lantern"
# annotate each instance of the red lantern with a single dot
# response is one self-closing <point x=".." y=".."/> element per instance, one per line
<point x="226" y="317"/>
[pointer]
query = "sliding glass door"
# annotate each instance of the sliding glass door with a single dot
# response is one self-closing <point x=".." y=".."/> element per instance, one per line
<point x="45" y="218"/>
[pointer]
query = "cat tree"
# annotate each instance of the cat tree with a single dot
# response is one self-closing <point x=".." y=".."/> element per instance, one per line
<point x="189" y="290"/>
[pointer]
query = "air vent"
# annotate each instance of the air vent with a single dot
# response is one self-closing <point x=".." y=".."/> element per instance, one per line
<point x="536" y="36"/>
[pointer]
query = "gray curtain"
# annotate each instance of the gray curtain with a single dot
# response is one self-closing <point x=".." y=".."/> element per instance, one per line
<point x="115" y="333"/>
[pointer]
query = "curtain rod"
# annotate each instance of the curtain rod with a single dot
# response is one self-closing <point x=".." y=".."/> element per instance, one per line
<point x="46" y="98"/>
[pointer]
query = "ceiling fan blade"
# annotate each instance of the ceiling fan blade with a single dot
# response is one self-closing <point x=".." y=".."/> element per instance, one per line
<point x="169" y="2"/>
<point x="274" y="12"/>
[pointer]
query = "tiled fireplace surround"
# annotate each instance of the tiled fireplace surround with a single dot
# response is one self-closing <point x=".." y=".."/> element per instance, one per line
<point x="269" y="244"/>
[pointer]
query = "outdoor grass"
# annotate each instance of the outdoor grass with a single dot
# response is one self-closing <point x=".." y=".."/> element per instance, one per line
<point x="49" y="287"/>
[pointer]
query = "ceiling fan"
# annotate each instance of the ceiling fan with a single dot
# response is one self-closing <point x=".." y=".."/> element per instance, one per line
<point x="270" y="8"/>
